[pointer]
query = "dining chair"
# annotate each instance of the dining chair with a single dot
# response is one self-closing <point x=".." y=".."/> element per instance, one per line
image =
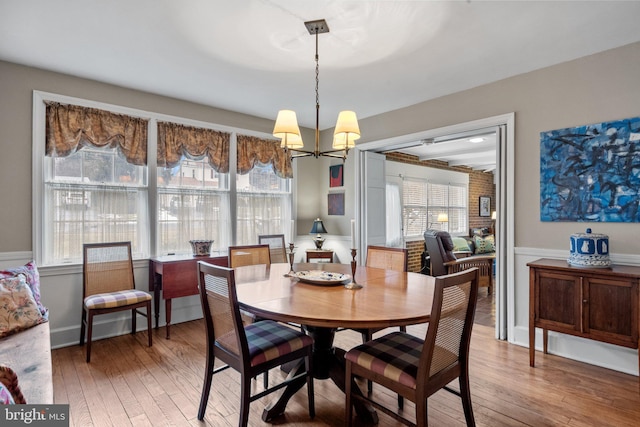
<point x="417" y="368"/>
<point x="108" y="285"/>
<point x="251" y="349"/>
<point x="388" y="259"/>
<point x="249" y="255"/>
<point x="277" y="248"/>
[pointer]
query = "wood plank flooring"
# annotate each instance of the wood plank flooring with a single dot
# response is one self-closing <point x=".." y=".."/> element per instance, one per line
<point x="130" y="384"/>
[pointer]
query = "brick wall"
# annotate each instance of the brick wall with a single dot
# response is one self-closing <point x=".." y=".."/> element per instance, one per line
<point x="415" y="250"/>
<point x="480" y="184"/>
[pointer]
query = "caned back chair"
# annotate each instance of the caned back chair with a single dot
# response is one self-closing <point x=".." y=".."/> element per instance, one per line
<point x="416" y="368"/>
<point x="249" y="255"/>
<point x="250" y="350"/>
<point x="277" y="249"/>
<point x="108" y="285"/>
<point x="387" y="258"/>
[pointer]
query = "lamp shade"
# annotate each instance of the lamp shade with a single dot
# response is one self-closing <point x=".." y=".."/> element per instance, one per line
<point x="318" y="227"/>
<point x="443" y="217"/>
<point x="347" y="131"/>
<point x="493" y="215"/>
<point x="291" y="141"/>
<point x="286" y="124"/>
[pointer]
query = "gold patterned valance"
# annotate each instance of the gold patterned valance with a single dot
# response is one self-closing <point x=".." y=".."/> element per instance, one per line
<point x="71" y="127"/>
<point x="252" y="149"/>
<point x="175" y="140"/>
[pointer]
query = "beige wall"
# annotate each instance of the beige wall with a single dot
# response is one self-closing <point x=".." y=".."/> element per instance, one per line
<point x="592" y="89"/>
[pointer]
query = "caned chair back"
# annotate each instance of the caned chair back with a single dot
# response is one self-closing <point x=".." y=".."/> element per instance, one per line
<point x="249" y="255"/>
<point x="276" y="246"/>
<point x="387" y="258"/>
<point x="107" y="267"/>
<point x="220" y="308"/>
<point x="449" y="334"/>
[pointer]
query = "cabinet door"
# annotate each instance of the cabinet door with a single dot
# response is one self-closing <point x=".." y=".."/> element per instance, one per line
<point x="611" y="310"/>
<point x="558" y="299"/>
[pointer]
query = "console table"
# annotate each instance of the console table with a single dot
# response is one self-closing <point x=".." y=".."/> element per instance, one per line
<point x="325" y="254"/>
<point x="176" y="276"/>
<point x="596" y="303"/>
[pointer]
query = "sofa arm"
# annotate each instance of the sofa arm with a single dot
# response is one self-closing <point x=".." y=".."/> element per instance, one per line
<point x="28" y="354"/>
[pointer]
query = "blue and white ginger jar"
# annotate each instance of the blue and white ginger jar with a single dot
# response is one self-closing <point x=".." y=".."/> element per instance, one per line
<point x="589" y="250"/>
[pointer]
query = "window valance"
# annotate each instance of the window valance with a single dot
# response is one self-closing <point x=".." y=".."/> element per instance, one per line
<point x="176" y="140"/>
<point x="252" y="149"/>
<point x="71" y="127"/>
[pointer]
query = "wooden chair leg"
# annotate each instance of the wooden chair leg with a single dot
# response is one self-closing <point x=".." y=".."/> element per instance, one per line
<point x="133" y="321"/>
<point x="465" y="395"/>
<point x="206" y="387"/>
<point x="245" y="399"/>
<point x="89" y="334"/>
<point x="422" y="419"/>
<point x="149" y="330"/>
<point x="310" y="392"/>
<point x="83" y="324"/>
<point x="348" y="417"/>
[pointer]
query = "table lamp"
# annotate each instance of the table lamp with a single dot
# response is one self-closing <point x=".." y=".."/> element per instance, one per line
<point x="317" y="229"/>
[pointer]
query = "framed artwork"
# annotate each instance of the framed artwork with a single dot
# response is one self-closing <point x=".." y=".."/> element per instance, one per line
<point x="336" y="204"/>
<point x="590" y="173"/>
<point x="336" y="178"/>
<point x="485" y="206"/>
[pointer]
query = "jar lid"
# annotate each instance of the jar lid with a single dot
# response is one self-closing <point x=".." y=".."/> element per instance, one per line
<point x="588" y="233"/>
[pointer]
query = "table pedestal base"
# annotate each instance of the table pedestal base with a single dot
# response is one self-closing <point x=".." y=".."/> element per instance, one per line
<point x="328" y="363"/>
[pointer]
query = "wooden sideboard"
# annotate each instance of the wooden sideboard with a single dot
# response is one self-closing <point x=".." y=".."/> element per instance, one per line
<point x="176" y="276"/>
<point x="596" y="303"/>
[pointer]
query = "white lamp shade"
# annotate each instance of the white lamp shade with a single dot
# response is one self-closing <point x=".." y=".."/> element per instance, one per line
<point x="443" y="217"/>
<point x="286" y="124"/>
<point x="292" y="141"/>
<point x="347" y="131"/>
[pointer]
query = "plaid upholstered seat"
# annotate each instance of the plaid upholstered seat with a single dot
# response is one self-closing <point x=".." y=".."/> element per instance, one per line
<point x="252" y="349"/>
<point x="116" y="299"/>
<point x="416" y="368"/>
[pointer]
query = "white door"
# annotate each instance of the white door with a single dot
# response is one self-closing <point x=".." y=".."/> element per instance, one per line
<point x="373" y="201"/>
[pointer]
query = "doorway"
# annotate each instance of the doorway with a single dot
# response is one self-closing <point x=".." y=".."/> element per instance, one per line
<point x="503" y="126"/>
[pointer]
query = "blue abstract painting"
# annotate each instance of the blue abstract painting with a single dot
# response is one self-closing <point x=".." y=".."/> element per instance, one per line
<point x="591" y="173"/>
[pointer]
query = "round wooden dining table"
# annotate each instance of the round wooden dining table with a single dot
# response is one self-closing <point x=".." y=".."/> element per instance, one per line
<point x="386" y="298"/>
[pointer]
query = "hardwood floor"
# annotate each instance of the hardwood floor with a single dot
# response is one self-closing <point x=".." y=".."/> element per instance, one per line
<point x="128" y="383"/>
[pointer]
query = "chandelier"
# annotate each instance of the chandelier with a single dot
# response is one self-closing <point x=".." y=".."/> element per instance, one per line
<point x="346" y="131"/>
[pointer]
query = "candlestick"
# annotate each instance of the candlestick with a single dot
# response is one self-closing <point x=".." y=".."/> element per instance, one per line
<point x="354" y="266"/>
<point x="291" y="255"/>
<point x="353" y="233"/>
<point x="293" y="232"/>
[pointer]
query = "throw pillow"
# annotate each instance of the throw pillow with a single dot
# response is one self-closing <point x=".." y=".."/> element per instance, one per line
<point x="460" y="244"/>
<point x="18" y="308"/>
<point x="30" y="271"/>
<point x="5" y="396"/>
<point x="484" y="245"/>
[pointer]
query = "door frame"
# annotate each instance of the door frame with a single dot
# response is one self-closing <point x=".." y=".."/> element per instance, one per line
<point x="504" y="124"/>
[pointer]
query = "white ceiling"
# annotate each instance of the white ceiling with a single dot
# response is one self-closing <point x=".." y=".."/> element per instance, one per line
<point x="256" y="56"/>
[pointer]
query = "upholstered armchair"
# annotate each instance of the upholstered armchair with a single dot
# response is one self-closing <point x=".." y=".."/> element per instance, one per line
<point x="443" y="261"/>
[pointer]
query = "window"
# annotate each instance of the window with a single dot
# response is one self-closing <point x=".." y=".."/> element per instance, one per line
<point x="263" y="204"/>
<point x="93" y="195"/>
<point x="424" y="202"/>
<point x="193" y="204"/>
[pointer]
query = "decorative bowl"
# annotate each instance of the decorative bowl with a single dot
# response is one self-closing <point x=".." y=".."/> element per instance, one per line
<point x="201" y="247"/>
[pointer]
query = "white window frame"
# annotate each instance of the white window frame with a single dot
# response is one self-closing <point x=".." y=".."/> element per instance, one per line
<point x="38" y="162"/>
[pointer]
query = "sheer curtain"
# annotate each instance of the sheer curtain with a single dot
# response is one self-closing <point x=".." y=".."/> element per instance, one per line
<point x="394" y="216"/>
<point x="262" y="214"/>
